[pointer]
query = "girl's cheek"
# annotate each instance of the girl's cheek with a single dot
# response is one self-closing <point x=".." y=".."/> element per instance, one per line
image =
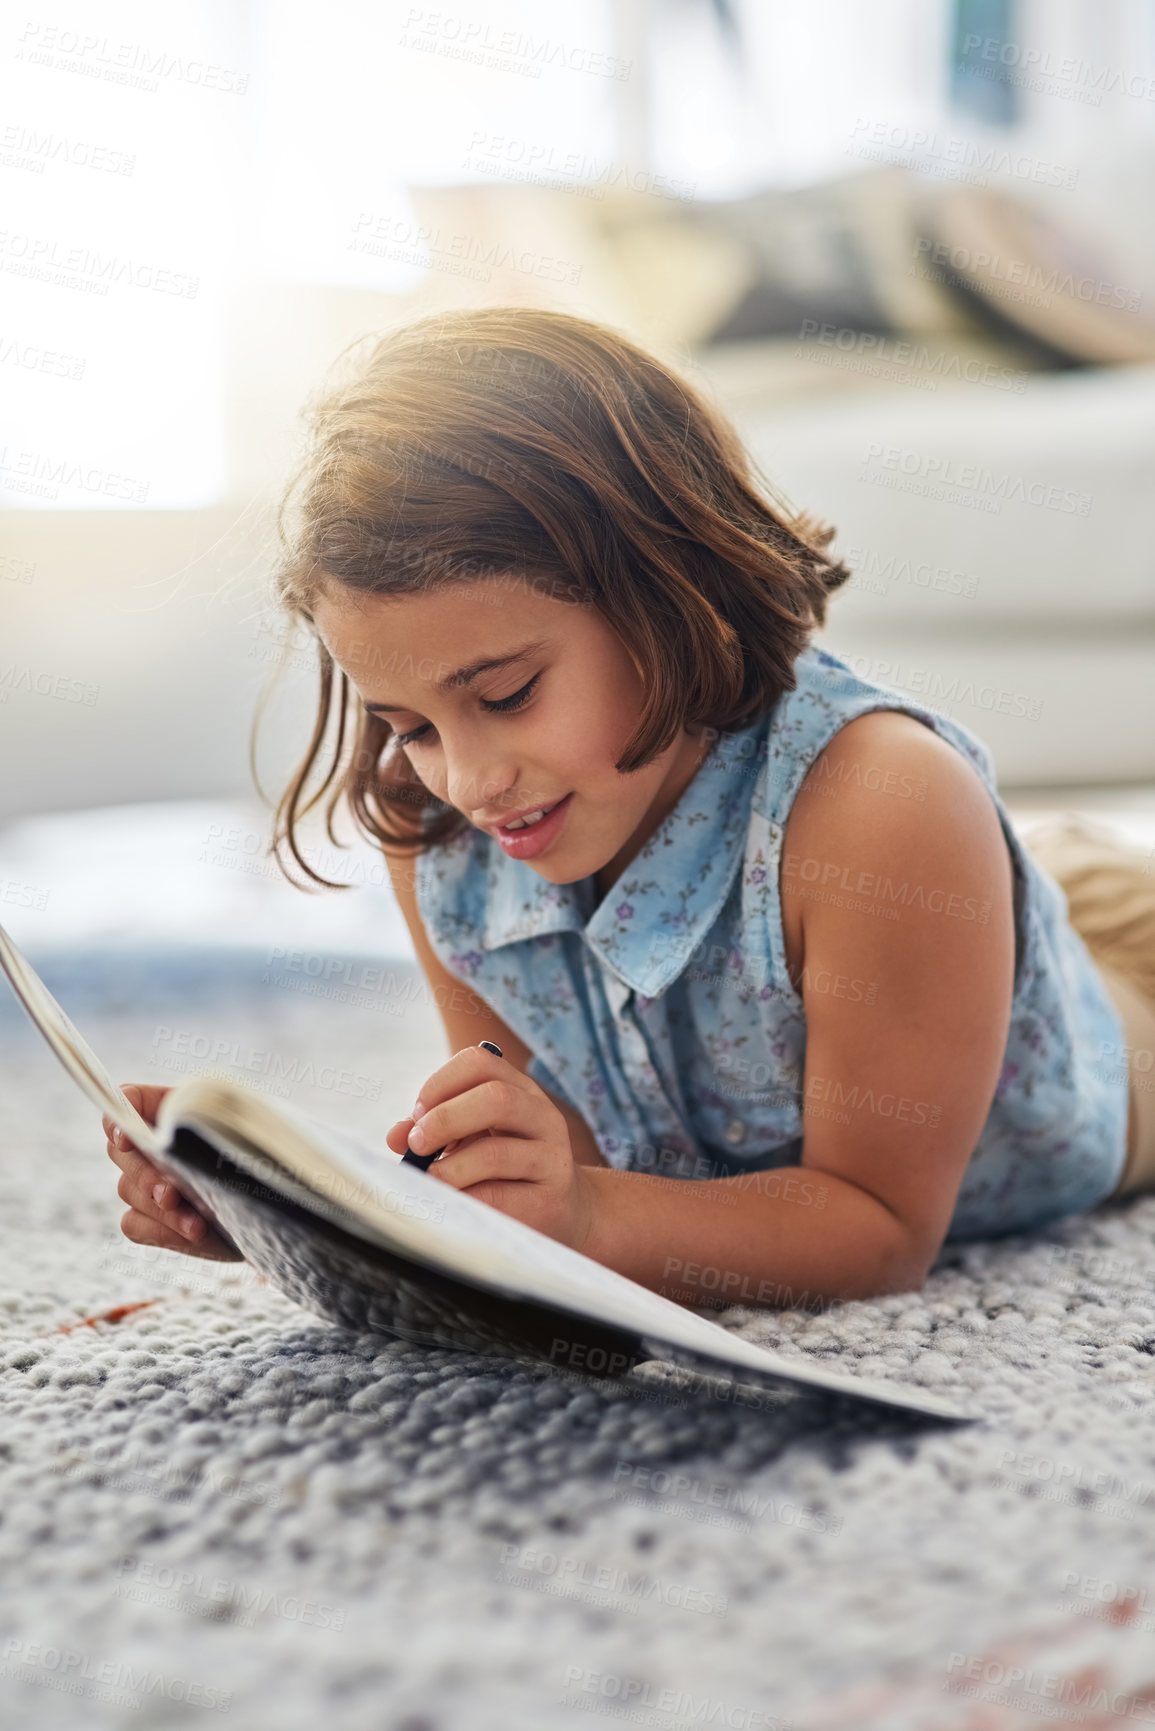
<point x="429" y="783"/>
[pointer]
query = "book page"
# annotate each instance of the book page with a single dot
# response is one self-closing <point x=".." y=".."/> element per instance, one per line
<point x="371" y="1193"/>
<point x="74" y="1053"/>
<point x="375" y="1196"/>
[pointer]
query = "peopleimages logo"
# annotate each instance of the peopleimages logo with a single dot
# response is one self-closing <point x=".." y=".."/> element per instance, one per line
<point x="714" y="1501"/>
<point x="875" y="778"/>
<point x="435" y="30"/>
<point x="968" y="484"/>
<point x="953" y="158"/>
<point x="510" y="158"/>
<point x="29" y="358"/>
<point x="139" y="65"/>
<point x="385" y="235"/>
<point x="115" y="1681"/>
<point x="1023" y="1686"/>
<point x="935" y="900"/>
<point x="578" y="1577"/>
<point x="15" y="892"/>
<point x="886" y="1105"/>
<point x="300" y="1071"/>
<point x="42" y="683"/>
<point x="131" y="1468"/>
<point x="930" y="685"/>
<point x="1116" y="1601"/>
<point x="876" y="571"/>
<point x="1041" y="69"/>
<point x="1027" y="275"/>
<point x="34" y="255"/>
<point x="633" y="1696"/>
<point x="144" y="1578"/>
<point x="332" y="976"/>
<point x="44" y="475"/>
<point x="27" y="148"/>
<point x="1073" y="1482"/>
<point x="933" y="364"/>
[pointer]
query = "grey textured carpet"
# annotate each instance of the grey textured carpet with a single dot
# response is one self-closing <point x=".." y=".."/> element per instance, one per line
<point x="217" y="1506"/>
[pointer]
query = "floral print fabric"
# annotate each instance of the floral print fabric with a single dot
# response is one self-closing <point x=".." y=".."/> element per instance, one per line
<point x="665" y="1014"/>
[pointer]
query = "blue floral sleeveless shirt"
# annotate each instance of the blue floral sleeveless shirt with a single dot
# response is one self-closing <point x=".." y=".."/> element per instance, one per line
<point x="665" y="1014"/>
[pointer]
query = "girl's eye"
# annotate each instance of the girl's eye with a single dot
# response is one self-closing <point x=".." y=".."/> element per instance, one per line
<point x="514" y="702"/>
<point x="500" y="705"/>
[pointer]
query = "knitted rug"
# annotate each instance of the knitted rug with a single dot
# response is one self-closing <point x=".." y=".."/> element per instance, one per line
<point x="214" y="1503"/>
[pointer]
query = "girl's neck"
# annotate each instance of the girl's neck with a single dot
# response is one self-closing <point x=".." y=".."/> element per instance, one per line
<point x="683" y="769"/>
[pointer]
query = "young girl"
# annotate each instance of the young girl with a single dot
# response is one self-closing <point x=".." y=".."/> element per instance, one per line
<point x="781" y="998"/>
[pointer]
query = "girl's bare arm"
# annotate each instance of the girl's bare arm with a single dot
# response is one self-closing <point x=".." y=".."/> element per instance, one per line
<point x="898" y="1079"/>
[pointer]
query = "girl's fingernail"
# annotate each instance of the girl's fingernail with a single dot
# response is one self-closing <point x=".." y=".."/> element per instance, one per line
<point x="418" y="1110"/>
<point x="491" y="1046"/>
<point x="417" y="1138"/>
<point x="158" y="1193"/>
<point x="188" y="1223"/>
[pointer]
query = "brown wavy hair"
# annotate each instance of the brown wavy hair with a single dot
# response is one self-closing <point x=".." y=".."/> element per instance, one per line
<point x="528" y="445"/>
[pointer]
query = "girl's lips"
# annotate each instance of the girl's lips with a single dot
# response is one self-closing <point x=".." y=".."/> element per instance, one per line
<point x="535" y="838"/>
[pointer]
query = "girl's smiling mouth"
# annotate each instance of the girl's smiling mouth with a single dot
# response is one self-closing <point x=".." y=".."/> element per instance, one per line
<point x="530" y="838"/>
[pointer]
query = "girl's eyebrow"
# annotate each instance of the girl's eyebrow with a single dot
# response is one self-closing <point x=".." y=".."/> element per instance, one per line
<point x="465" y="674"/>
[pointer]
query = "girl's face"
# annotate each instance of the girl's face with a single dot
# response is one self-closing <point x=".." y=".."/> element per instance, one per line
<point x="541" y="726"/>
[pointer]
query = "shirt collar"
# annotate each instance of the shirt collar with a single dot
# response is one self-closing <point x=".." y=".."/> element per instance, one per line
<point x="665" y="901"/>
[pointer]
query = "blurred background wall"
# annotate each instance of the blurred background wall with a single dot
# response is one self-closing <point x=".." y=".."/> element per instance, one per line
<point x="908" y="246"/>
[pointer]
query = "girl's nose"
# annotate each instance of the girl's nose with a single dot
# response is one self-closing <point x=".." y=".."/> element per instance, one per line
<point x="484" y="795"/>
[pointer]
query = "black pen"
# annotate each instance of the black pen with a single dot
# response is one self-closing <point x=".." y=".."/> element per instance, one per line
<point x="425" y="1161"/>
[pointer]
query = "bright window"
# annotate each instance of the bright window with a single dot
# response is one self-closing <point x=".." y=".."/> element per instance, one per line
<point x="119" y="125"/>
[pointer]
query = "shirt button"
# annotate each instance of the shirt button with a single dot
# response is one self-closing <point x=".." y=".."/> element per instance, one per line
<point x="735" y="1130"/>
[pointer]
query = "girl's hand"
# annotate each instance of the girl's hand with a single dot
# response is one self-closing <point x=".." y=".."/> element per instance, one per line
<point x="505" y="1143"/>
<point x="158" y="1213"/>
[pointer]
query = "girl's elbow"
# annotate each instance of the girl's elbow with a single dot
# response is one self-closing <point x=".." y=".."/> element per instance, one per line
<point x="910" y="1261"/>
<point x="902" y="1263"/>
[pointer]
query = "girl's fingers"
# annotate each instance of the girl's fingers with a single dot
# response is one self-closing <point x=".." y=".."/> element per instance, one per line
<point x="397" y="1135"/>
<point x="158" y="1213"/>
<point x="138" y="1169"/>
<point x="499" y="1106"/>
<point x="143" y="1187"/>
<point x="162" y="1230"/>
<point x="146" y="1097"/>
<point x="168" y="1207"/>
<point x="116" y="1137"/>
<point x="489" y="1159"/>
<point x="172" y="1223"/>
<point x="144" y="1229"/>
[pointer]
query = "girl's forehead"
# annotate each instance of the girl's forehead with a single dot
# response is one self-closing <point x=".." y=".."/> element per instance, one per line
<point x="496" y="605"/>
<point x="458" y="624"/>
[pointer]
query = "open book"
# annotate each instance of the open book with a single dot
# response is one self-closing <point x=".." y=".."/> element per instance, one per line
<point x="366" y="1241"/>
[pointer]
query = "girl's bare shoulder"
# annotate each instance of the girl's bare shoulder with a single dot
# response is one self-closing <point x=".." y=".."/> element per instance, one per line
<point x="886" y="771"/>
<point x="887" y="800"/>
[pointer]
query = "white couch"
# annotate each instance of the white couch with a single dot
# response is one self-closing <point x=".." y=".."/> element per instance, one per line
<point x="1032" y="621"/>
